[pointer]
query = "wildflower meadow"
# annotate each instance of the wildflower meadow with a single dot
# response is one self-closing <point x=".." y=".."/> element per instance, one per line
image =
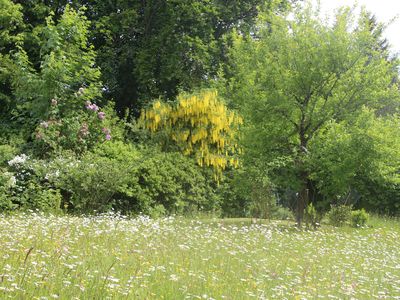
<point x="115" y="257"/>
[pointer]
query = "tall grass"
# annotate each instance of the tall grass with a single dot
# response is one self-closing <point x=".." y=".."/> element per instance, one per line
<point x="112" y="257"/>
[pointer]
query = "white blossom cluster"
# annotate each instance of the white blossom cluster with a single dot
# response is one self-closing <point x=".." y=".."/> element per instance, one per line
<point x="18" y="160"/>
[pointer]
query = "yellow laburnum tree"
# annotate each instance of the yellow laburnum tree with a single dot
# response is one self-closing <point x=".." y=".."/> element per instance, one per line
<point x="200" y="125"/>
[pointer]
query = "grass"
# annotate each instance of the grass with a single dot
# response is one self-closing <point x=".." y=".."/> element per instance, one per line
<point x="111" y="257"/>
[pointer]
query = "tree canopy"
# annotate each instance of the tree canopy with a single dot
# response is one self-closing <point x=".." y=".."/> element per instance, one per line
<point x="151" y="87"/>
<point x="297" y="77"/>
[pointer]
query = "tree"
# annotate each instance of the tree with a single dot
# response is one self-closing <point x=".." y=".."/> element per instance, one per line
<point x="294" y="77"/>
<point x="359" y="159"/>
<point x="11" y="26"/>
<point x="57" y="102"/>
<point x="151" y="49"/>
<point x="198" y="124"/>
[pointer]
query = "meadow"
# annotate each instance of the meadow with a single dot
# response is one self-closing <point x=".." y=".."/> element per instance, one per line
<point x="114" y="257"/>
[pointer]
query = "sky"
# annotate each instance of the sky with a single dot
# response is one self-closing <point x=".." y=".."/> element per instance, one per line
<point x="384" y="10"/>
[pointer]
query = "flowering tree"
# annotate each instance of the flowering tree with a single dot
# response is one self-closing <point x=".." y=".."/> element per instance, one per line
<point x="60" y="97"/>
<point x="199" y="124"/>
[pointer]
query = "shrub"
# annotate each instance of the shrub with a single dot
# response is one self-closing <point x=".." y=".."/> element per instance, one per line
<point x="114" y="175"/>
<point x="339" y="215"/>
<point x="310" y="216"/>
<point x="117" y="175"/>
<point x="359" y="218"/>
<point x="282" y="213"/>
<point x="174" y="181"/>
<point x="157" y="211"/>
<point x="248" y="192"/>
<point x="7" y="152"/>
<point x="37" y="197"/>
<point x="80" y="132"/>
<point x="91" y="183"/>
<point x="263" y="201"/>
<point x="7" y="180"/>
<point x="28" y="188"/>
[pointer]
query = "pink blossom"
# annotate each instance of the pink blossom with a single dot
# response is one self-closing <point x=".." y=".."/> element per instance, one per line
<point x="95" y="107"/>
<point x="107" y="132"/>
<point x="91" y="106"/>
<point x="101" y="115"/>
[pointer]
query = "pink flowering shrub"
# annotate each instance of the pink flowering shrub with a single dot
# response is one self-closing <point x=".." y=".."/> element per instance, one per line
<point x="78" y="131"/>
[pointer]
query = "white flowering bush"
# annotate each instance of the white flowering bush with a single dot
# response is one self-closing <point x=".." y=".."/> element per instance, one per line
<point x="25" y="186"/>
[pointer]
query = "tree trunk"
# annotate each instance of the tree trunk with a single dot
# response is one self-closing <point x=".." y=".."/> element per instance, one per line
<point x="302" y="196"/>
<point x="302" y="199"/>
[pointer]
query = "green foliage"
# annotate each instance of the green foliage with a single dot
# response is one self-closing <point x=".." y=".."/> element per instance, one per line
<point x="67" y="71"/>
<point x="233" y="202"/>
<point x="7" y="152"/>
<point x="310" y="216"/>
<point x="11" y="25"/>
<point x="247" y="192"/>
<point x="339" y="215"/>
<point x="11" y="22"/>
<point x="173" y="181"/>
<point x="57" y="101"/>
<point x="157" y="211"/>
<point x="91" y="183"/>
<point x="263" y="201"/>
<point x="158" y="49"/>
<point x="27" y="187"/>
<point x="116" y="175"/>
<point x="79" y="133"/>
<point x="319" y="103"/>
<point x="361" y="154"/>
<point x="299" y="75"/>
<point x="282" y="213"/>
<point x="36" y="197"/>
<point x="7" y="181"/>
<point x="359" y="218"/>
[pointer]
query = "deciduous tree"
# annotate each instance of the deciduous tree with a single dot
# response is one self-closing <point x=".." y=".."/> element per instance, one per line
<point x="296" y="75"/>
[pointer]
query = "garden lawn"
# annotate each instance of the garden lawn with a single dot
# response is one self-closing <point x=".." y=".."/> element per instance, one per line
<point x="112" y="257"/>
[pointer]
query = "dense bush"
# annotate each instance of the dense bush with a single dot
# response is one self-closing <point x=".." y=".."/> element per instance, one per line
<point x="116" y="175"/>
<point x="359" y="218"/>
<point x="339" y="215"/>
<point x="24" y="186"/>
<point x="63" y="143"/>
<point x="7" y="180"/>
<point x="248" y="192"/>
<point x="90" y="183"/>
<point x="173" y="181"/>
<point x="7" y="152"/>
<point x="282" y="213"/>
